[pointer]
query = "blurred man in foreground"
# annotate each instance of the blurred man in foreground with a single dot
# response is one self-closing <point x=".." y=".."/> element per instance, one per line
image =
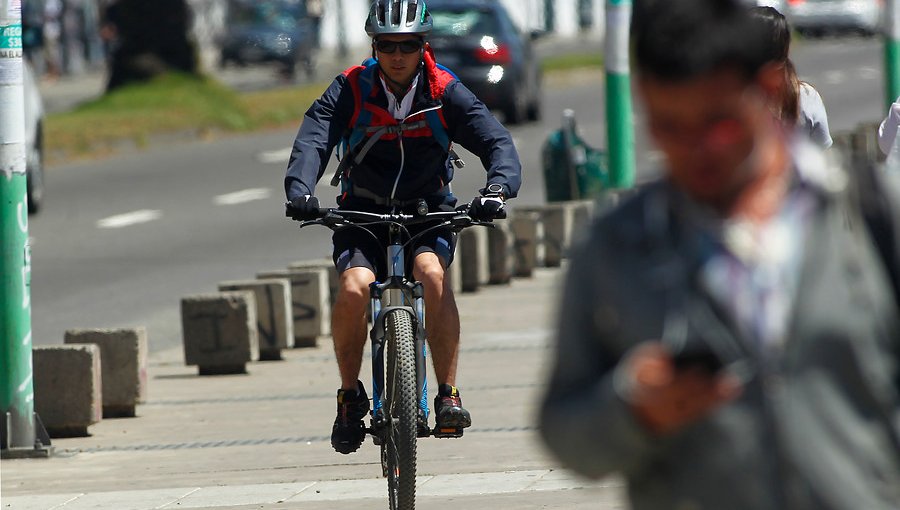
<point x="730" y="338"/>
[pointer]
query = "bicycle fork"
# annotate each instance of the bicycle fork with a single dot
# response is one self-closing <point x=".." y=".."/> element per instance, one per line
<point x="398" y="293"/>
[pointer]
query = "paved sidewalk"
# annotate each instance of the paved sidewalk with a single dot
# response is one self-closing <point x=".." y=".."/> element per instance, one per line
<point x="261" y="440"/>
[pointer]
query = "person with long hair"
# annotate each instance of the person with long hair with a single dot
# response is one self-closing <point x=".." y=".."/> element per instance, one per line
<point x="800" y="104"/>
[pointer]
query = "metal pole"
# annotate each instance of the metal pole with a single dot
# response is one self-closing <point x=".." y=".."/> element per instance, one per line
<point x="16" y="389"/>
<point x="892" y="51"/>
<point x="619" y="118"/>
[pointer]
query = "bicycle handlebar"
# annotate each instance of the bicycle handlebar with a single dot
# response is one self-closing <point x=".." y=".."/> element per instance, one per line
<point x="333" y="218"/>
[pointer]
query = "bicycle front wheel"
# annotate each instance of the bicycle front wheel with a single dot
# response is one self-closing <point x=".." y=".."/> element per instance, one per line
<point x="398" y="451"/>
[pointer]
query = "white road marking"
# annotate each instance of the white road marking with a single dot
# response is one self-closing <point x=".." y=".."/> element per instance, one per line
<point x="128" y="219"/>
<point x="869" y="73"/>
<point x="240" y="197"/>
<point x="279" y="156"/>
<point x="835" y="77"/>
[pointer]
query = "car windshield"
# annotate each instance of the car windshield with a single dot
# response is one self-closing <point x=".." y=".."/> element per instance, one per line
<point x="463" y="22"/>
<point x="276" y="14"/>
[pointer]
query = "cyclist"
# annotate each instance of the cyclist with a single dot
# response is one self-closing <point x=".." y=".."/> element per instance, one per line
<point x="396" y="116"/>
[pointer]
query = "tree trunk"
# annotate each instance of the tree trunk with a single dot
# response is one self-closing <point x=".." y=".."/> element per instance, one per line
<point x="148" y="38"/>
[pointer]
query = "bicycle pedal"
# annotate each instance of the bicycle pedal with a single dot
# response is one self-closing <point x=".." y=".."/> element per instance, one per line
<point x="447" y="432"/>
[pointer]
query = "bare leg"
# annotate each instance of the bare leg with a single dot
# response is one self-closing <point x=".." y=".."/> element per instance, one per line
<point x="442" y="316"/>
<point x="348" y="323"/>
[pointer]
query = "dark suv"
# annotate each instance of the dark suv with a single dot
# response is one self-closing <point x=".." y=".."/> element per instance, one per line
<point x="264" y="31"/>
<point x="479" y="42"/>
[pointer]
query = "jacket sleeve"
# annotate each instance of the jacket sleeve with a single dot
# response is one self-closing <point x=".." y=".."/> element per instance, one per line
<point x="584" y="420"/>
<point x="472" y="125"/>
<point x="322" y="128"/>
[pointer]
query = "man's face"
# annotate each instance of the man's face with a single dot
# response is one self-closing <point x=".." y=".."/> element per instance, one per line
<point x="397" y="64"/>
<point x="708" y="128"/>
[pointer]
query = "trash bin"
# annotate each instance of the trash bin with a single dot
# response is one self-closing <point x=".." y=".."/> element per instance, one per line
<point x="572" y="169"/>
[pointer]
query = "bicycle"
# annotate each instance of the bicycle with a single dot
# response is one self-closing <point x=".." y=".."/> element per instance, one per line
<point x="397" y="320"/>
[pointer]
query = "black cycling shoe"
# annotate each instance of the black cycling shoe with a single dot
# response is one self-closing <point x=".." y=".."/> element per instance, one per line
<point x="449" y="414"/>
<point x="349" y="432"/>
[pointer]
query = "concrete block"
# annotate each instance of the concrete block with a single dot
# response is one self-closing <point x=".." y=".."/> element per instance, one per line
<point x="454" y="272"/>
<point x="310" y="303"/>
<point x="274" y="323"/>
<point x="68" y="390"/>
<point x="473" y="258"/>
<point x="220" y="331"/>
<point x="123" y="362"/>
<point x="501" y="253"/>
<point x="528" y="248"/>
<point x="326" y="264"/>
<point x="559" y="225"/>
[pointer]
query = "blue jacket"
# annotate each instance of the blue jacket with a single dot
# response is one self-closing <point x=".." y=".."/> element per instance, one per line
<point x="426" y="165"/>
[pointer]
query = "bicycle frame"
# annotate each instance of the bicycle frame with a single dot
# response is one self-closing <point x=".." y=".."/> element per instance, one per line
<point x="398" y="292"/>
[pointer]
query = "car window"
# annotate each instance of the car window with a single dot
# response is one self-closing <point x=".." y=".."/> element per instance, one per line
<point x="265" y="13"/>
<point x="464" y="22"/>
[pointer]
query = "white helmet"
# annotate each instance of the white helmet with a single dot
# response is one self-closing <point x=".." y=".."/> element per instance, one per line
<point x="398" y="17"/>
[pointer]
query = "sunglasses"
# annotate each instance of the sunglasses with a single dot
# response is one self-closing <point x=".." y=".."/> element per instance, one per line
<point x="408" y="46"/>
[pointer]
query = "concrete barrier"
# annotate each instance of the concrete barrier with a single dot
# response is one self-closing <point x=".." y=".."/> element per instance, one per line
<point x="561" y="221"/>
<point x="472" y="256"/>
<point x="310" y="303"/>
<point x="501" y="253"/>
<point x="454" y="272"/>
<point x="328" y="266"/>
<point x="123" y="363"/>
<point x="528" y="248"/>
<point x="68" y="390"/>
<point x="220" y="332"/>
<point x="274" y="323"/>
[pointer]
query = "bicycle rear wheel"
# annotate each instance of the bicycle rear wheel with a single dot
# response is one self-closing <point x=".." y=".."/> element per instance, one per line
<point x="398" y="451"/>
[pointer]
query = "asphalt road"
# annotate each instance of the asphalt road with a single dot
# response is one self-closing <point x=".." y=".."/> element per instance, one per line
<point x="122" y="240"/>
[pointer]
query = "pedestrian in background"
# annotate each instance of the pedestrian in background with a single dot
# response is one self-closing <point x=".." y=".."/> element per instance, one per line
<point x="800" y="104"/>
<point x="887" y="130"/>
<point x="729" y="337"/>
<point x="315" y="11"/>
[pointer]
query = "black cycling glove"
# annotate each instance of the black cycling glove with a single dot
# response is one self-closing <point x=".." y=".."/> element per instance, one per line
<point x="487" y="208"/>
<point x="305" y="207"/>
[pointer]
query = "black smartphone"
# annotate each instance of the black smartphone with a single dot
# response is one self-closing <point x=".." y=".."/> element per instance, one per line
<point x="697" y="354"/>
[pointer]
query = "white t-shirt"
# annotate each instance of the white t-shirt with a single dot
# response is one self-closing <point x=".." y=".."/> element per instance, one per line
<point x="813" y="121"/>
<point x="400" y="109"/>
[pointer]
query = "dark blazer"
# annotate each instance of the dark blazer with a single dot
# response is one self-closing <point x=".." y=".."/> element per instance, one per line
<point x="816" y="428"/>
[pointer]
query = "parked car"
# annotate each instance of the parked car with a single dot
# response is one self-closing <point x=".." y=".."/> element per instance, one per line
<point x="34" y="141"/>
<point x="820" y="16"/>
<point x="478" y="41"/>
<point x="269" y="31"/>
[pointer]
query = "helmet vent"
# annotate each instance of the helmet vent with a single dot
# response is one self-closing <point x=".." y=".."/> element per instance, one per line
<point x="395" y="14"/>
<point x="411" y="9"/>
<point x="379" y="14"/>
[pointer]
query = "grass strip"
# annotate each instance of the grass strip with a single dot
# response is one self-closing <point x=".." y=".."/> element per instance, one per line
<point x="178" y="104"/>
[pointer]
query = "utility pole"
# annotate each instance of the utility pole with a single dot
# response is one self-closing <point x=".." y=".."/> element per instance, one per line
<point x="17" y="418"/>
<point x="892" y="51"/>
<point x="619" y="117"/>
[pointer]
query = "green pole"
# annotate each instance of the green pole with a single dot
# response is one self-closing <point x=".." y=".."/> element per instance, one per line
<point x="892" y="52"/>
<point x="619" y="118"/>
<point x="16" y="388"/>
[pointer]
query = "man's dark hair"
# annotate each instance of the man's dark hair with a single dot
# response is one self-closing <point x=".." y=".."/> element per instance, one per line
<point x="679" y="40"/>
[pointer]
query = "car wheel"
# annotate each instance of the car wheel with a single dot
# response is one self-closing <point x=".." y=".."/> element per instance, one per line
<point x="534" y="109"/>
<point x="34" y="171"/>
<point x="515" y="111"/>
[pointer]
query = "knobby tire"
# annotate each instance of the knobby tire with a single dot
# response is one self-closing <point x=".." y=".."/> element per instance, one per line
<point x="399" y="450"/>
